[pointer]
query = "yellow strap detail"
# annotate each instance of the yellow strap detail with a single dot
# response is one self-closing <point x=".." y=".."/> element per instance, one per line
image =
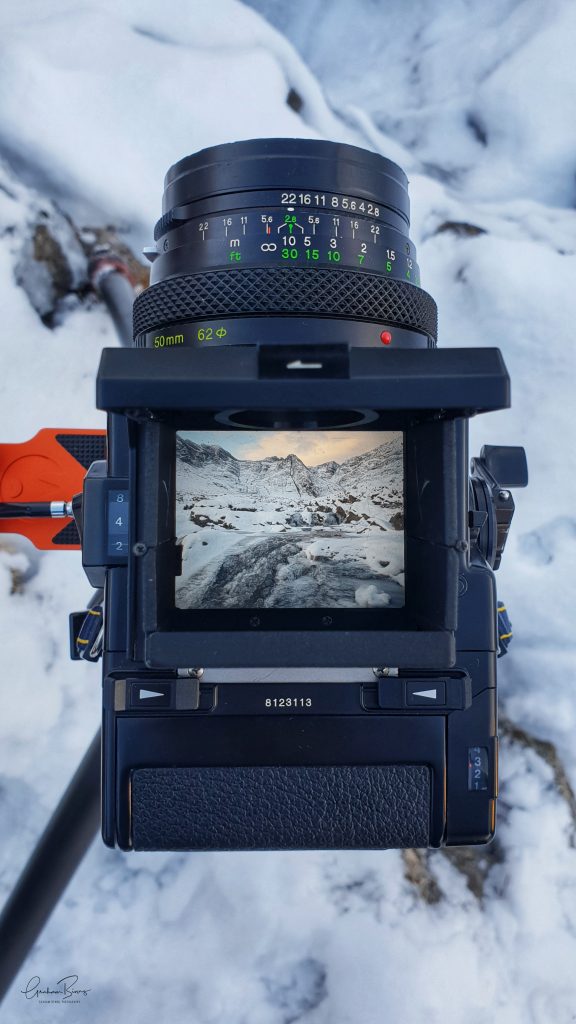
<point x="81" y="641"/>
<point x="505" y="636"/>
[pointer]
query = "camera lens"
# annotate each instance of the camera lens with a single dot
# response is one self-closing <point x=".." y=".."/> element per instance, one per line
<point x="284" y="241"/>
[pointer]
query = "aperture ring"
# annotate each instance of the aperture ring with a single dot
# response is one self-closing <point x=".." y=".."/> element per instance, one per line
<point x="336" y="293"/>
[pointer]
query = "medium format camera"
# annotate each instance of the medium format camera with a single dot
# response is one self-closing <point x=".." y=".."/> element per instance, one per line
<point x="300" y="626"/>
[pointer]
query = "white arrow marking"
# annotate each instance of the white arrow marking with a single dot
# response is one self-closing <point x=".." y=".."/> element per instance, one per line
<point x="150" y="693"/>
<point x="430" y="694"/>
<point x="299" y="365"/>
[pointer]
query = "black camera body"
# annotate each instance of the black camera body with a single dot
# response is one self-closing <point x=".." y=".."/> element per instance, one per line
<point x="298" y="652"/>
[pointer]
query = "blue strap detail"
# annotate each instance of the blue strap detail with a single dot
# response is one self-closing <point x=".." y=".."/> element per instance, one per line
<point x="504" y="630"/>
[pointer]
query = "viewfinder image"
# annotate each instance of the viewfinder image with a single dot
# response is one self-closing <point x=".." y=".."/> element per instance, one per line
<point x="290" y="519"/>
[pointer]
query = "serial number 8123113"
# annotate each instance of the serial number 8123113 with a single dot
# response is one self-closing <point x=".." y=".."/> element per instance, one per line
<point x="288" y="702"/>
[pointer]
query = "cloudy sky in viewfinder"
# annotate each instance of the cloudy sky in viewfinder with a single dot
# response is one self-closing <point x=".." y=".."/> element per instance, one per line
<point x="313" y="447"/>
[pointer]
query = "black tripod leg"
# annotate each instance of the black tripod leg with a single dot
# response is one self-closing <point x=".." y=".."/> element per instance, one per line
<point x="58" y="853"/>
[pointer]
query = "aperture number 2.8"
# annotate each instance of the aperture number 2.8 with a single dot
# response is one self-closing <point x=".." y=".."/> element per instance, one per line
<point x="288" y="702"/>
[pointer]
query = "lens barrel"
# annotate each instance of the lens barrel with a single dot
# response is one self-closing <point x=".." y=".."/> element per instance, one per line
<point x="283" y="241"/>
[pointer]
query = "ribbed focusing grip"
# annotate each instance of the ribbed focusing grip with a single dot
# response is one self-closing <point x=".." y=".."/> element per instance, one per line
<point x="281" y="807"/>
<point x="256" y="291"/>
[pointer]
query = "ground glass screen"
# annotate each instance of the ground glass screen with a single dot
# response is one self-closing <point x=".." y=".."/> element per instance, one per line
<point x="290" y="519"/>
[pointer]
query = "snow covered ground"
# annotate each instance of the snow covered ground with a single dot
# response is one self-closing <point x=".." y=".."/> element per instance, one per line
<point x="476" y="102"/>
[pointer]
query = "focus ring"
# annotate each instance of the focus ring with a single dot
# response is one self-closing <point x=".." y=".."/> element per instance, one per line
<point x="346" y="294"/>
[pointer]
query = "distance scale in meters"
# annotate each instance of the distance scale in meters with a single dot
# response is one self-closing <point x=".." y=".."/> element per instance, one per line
<point x="303" y="229"/>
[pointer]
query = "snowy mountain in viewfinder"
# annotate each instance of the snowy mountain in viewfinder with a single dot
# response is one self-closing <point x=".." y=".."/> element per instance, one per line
<point x="274" y="532"/>
<point x="210" y="468"/>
